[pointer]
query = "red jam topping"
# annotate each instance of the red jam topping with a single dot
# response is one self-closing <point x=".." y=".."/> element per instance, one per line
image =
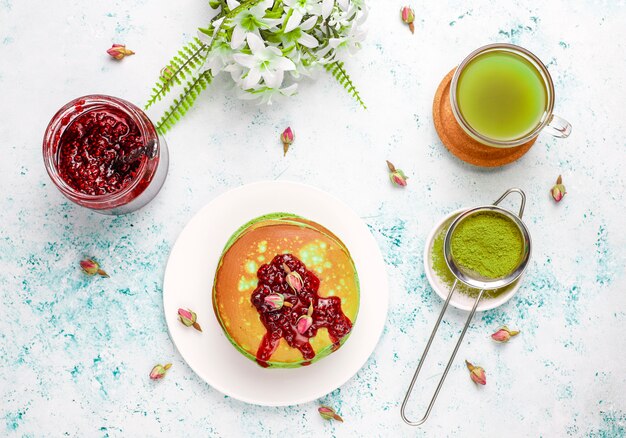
<point x="281" y="323"/>
<point x="90" y="148"/>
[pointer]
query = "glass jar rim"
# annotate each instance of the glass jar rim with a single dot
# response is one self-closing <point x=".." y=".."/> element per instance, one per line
<point x="542" y="70"/>
<point x="57" y="127"/>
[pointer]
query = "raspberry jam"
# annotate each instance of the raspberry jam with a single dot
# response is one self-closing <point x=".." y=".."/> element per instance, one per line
<point x="104" y="153"/>
<point x="281" y="323"/>
<point x="90" y="148"/>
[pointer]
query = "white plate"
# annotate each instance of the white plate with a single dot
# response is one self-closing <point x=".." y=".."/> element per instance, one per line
<point x="460" y="300"/>
<point x="189" y="279"/>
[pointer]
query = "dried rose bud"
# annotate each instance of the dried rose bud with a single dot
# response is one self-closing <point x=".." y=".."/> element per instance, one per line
<point x="166" y="73"/>
<point x="287" y="137"/>
<point x="159" y="371"/>
<point x="558" y="190"/>
<point x="328" y="413"/>
<point x="275" y="301"/>
<point x="504" y="334"/>
<point x="408" y="16"/>
<point x="91" y="267"/>
<point x="119" y="51"/>
<point x="304" y="323"/>
<point x="293" y="279"/>
<point x="477" y="374"/>
<point x="189" y="318"/>
<point x="397" y="177"/>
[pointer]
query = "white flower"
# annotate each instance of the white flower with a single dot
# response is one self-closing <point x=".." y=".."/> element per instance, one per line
<point x="341" y="19"/>
<point x="327" y="7"/>
<point x="236" y="72"/>
<point x="344" y="4"/>
<point x="304" y="6"/>
<point x="219" y="56"/>
<point x="264" y="62"/>
<point x="250" y="21"/>
<point x="298" y="9"/>
<point x="306" y="65"/>
<point x="338" y="46"/>
<point x="265" y="94"/>
<point x="299" y="35"/>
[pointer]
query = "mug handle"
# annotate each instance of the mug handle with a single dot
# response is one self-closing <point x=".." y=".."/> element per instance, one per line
<point x="558" y="127"/>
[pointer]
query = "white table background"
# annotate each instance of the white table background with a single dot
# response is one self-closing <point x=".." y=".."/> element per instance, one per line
<point x="75" y="351"/>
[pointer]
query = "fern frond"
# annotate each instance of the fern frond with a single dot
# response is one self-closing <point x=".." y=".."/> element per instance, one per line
<point x="191" y="56"/>
<point x="187" y="97"/>
<point x="339" y="73"/>
<point x="184" y="65"/>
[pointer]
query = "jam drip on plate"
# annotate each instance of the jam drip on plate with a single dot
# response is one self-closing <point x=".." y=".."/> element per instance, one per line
<point x="281" y="323"/>
<point x="90" y="148"/>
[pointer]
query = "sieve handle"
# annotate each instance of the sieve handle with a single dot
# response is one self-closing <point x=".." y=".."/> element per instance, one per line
<point x="514" y="190"/>
<point x="445" y="373"/>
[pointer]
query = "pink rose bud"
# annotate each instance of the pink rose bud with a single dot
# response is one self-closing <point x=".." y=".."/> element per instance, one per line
<point x="328" y="413"/>
<point x="159" y="371"/>
<point x="477" y="374"/>
<point x="558" y="190"/>
<point x="91" y="267"/>
<point x="275" y="301"/>
<point x="304" y="323"/>
<point x="119" y="51"/>
<point x="504" y="334"/>
<point x="408" y="16"/>
<point x="287" y="137"/>
<point x="397" y="177"/>
<point x="189" y="318"/>
<point x="293" y="279"/>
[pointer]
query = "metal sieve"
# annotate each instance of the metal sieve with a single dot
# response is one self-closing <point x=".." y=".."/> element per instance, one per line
<point x="474" y="280"/>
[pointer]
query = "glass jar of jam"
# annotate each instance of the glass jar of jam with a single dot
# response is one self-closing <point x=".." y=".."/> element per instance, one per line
<point x="104" y="153"/>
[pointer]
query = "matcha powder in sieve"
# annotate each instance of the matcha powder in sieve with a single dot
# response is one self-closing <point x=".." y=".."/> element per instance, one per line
<point x="487" y="243"/>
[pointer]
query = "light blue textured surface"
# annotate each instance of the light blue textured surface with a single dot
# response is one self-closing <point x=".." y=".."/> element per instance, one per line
<point x="75" y="351"/>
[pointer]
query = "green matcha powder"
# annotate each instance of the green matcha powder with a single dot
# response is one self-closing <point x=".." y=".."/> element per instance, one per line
<point x="487" y="243"/>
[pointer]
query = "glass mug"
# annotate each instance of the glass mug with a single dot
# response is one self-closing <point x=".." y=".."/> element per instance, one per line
<point x="502" y="95"/>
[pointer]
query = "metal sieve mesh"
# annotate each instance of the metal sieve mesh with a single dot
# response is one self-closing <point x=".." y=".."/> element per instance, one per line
<point x="474" y="279"/>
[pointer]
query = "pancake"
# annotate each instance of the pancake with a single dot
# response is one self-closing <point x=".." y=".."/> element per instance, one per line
<point x="312" y="285"/>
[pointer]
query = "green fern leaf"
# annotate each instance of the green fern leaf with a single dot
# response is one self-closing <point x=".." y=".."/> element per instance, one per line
<point x="185" y="101"/>
<point x="341" y="76"/>
<point x="192" y="55"/>
<point x="181" y="68"/>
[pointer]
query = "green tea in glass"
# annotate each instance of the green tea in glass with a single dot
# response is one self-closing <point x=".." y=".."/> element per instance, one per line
<point x="502" y="95"/>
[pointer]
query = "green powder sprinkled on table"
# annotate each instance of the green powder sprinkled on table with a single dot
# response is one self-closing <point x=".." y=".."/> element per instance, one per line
<point x="438" y="263"/>
<point x="487" y="243"/>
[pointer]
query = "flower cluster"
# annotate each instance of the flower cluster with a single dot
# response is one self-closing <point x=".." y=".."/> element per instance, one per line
<point x="266" y="48"/>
